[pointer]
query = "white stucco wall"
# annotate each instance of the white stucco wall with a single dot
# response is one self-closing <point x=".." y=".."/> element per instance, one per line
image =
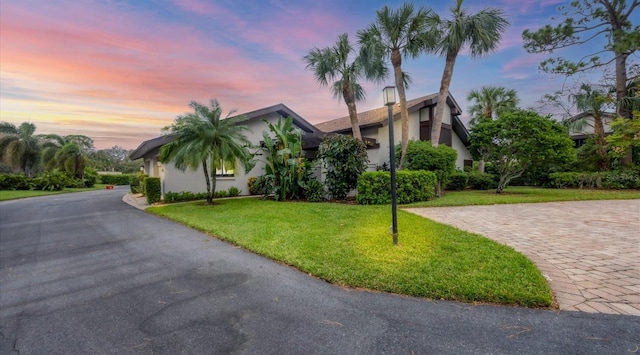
<point x="381" y="155"/>
<point x="174" y="180"/>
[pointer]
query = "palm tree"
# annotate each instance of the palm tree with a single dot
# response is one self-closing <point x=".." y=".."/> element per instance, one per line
<point x="202" y="138"/>
<point x="481" y="32"/>
<point x="490" y="101"/>
<point x="68" y="153"/>
<point x="19" y="146"/>
<point x="397" y="33"/>
<point x="341" y="65"/>
<point x="594" y="102"/>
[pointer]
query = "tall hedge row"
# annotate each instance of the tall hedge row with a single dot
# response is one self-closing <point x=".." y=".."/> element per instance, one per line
<point x="374" y="188"/>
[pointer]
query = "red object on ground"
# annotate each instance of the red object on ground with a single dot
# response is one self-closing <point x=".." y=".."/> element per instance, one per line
<point x="109" y="187"/>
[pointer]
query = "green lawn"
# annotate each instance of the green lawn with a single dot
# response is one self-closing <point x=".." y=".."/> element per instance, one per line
<point x="350" y="245"/>
<point x="12" y="195"/>
<point x="520" y="194"/>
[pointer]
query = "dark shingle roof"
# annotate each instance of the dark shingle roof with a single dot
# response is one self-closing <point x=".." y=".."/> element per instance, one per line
<point x="147" y="146"/>
<point x="379" y="116"/>
<point x="311" y="137"/>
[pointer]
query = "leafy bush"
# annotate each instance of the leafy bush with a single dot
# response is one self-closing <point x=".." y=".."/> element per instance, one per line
<point x="262" y="185"/>
<point x="117" y="179"/>
<point x="374" y="188"/>
<point x="221" y="194"/>
<point x="575" y="179"/>
<point x="234" y="191"/>
<point x="421" y="155"/>
<point x="90" y="177"/>
<point x="51" y="181"/>
<point x="620" y="180"/>
<point x="252" y="184"/>
<point x="457" y="181"/>
<point x="345" y="159"/>
<point x="480" y="181"/>
<point x="184" y="196"/>
<point x="314" y="191"/>
<point x="152" y="189"/>
<point x="136" y="183"/>
<point x="286" y="168"/>
<point x="14" y="182"/>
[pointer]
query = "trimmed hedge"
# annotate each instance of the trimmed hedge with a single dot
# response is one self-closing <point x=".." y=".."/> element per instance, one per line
<point x="136" y="183"/>
<point x="374" y="188"/>
<point x="152" y="189"/>
<point x="14" y="182"/>
<point x="590" y="180"/>
<point x="117" y="179"/>
<point x="482" y="181"/>
<point x="457" y="181"/>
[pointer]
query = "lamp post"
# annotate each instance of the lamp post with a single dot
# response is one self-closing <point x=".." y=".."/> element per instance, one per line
<point x="389" y="95"/>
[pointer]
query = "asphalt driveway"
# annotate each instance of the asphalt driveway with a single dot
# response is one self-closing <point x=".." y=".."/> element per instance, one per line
<point x="588" y="250"/>
<point x="85" y="273"/>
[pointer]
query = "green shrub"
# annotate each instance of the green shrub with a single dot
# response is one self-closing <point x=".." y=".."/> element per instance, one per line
<point x="117" y="179"/>
<point x="220" y="194"/>
<point x="234" y="191"/>
<point x="263" y="185"/>
<point x="421" y="155"/>
<point x="480" y="181"/>
<point x="136" y="183"/>
<point x="620" y="180"/>
<point x="314" y="191"/>
<point x="152" y="189"/>
<point x="457" y="181"/>
<point x="374" y="188"/>
<point x="345" y="159"/>
<point x="51" y="181"/>
<point x="90" y="177"/>
<point x="575" y="179"/>
<point x="14" y="182"/>
<point x="170" y="197"/>
<point x="252" y="183"/>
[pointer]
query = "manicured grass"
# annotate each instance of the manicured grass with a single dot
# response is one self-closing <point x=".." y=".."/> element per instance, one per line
<point x="12" y="195"/>
<point x="350" y="245"/>
<point x="521" y="194"/>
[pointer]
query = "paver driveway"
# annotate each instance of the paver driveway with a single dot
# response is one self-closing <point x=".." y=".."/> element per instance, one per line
<point x="588" y="250"/>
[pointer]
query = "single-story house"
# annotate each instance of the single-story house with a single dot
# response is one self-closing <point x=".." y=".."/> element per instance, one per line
<point x="174" y="180"/>
<point x="373" y="125"/>
<point x="581" y="126"/>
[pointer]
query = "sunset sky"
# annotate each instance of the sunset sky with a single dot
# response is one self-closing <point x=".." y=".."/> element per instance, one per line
<point x="119" y="71"/>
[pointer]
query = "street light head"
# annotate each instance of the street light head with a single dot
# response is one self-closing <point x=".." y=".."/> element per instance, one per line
<point x="389" y="95"/>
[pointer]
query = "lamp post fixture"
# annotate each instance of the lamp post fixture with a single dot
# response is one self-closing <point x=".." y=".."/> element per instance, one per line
<point x="389" y="95"/>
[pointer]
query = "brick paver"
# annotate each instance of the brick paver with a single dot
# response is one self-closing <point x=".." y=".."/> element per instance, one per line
<point x="589" y="251"/>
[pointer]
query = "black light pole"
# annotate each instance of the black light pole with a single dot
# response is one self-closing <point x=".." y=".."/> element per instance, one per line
<point x="389" y="94"/>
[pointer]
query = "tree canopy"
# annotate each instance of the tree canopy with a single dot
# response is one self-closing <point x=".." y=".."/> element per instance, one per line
<point x="203" y="138"/>
<point x="520" y="140"/>
<point x="585" y="23"/>
<point x="396" y="34"/>
<point x="342" y="65"/>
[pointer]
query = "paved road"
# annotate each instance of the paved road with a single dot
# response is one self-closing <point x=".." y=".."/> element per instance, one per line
<point x="85" y="273"/>
<point x="589" y="250"/>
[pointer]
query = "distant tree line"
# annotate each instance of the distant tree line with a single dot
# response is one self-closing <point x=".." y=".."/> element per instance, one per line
<point x="24" y="151"/>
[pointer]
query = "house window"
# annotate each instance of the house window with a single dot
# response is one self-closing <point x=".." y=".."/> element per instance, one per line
<point x="225" y="169"/>
<point x="445" y="133"/>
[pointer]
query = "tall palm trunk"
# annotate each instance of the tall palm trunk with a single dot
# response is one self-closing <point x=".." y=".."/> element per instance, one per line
<point x="488" y="114"/>
<point x="206" y="178"/>
<point x="621" y="92"/>
<point x="396" y="61"/>
<point x="350" y="100"/>
<point x="601" y="149"/>
<point x="447" y="74"/>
